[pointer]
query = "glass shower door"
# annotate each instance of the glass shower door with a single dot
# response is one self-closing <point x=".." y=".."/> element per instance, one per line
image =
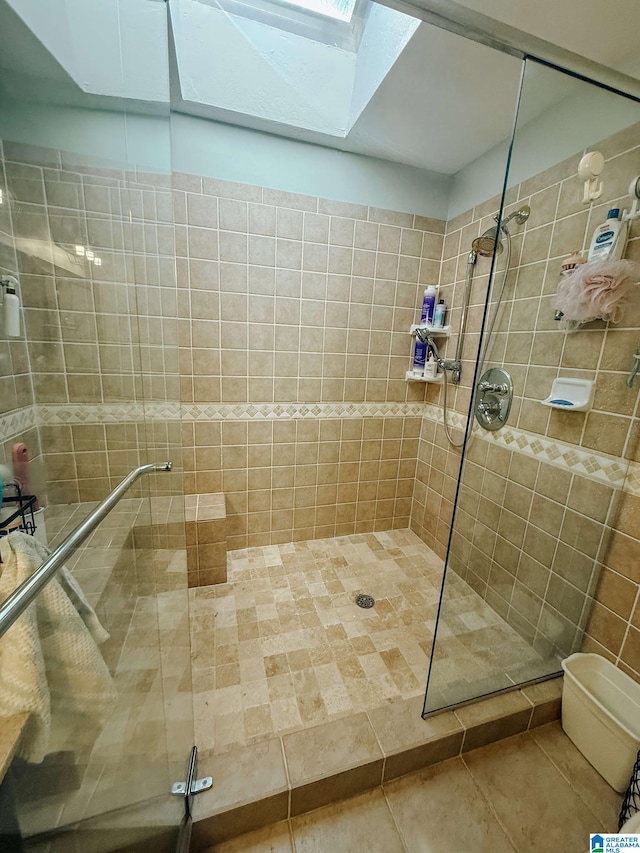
<point x="539" y="497"/>
<point x="86" y="227"/>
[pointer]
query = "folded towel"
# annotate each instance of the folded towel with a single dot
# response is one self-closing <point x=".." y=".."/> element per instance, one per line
<point x="50" y="665"/>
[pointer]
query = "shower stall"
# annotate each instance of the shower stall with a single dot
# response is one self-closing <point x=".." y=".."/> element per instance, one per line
<point x="236" y="298"/>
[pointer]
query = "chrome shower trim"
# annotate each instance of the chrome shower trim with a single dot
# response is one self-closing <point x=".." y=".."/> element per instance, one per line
<point x="520" y="215"/>
<point x="456" y="18"/>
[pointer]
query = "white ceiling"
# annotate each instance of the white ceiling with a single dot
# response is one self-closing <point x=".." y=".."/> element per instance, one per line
<point x="446" y="100"/>
<point x="603" y="33"/>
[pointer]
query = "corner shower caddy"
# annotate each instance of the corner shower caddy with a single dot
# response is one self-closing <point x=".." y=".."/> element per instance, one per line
<point x="436" y="332"/>
<point x="22" y="517"/>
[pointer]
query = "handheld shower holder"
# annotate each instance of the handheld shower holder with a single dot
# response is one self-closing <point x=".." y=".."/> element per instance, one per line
<point x="453" y="366"/>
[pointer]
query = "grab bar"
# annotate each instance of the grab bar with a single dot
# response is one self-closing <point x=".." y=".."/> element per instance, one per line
<point x="19" y="600"/>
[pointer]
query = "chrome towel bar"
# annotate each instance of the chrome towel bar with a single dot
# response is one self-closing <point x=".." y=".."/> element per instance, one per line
<point x="19" y="600"/>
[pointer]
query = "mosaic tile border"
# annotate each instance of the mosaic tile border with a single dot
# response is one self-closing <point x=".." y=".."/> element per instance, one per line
<point x="15" y="423"/>
<point x="120" y="412"/>
<point x="270" y="411"/>
<point x="107" y="413"/>
<point x="632" y="483"/>
<point x="436" y="413"/>
<point x="595" y="466"/>
<point x="568" y="457"/>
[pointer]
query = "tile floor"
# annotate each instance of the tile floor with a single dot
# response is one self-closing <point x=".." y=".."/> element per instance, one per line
<point x="283" y="645"/>
<point x="531" y="792"/>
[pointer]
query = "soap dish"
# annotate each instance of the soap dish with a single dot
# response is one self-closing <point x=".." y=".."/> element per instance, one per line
<point x="571" y="394"/>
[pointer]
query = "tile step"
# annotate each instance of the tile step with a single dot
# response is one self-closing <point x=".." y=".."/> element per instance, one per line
<point x="272" y="780"/>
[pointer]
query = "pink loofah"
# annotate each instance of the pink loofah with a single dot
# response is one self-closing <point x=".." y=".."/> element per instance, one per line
<point x="597" y="291"/>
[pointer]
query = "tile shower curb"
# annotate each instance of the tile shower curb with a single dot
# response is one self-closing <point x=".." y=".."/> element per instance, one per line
<point x="282" y="777"/>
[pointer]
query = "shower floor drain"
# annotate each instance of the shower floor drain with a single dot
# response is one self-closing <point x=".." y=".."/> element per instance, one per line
<point x="364" y="600"/>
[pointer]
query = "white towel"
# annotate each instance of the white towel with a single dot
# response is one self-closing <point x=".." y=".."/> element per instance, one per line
<point x="50" y="665"/>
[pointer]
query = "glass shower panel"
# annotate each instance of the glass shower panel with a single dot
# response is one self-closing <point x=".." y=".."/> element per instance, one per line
<point x="90" y="387"/>
<point x="160" y="530"/>
<point x="538" y="497"/>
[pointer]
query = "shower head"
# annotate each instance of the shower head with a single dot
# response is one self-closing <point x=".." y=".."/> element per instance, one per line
<point x="485" y="244"/>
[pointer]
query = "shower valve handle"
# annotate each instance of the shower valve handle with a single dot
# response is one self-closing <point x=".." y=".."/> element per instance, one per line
<point x="495" y="389"/>
<point x="488" y="409"/>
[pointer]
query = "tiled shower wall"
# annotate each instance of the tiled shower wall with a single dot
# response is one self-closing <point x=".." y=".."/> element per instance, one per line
<point x="283" y="300"/>
<point x="294" y="345"/>
<point x="291" y="298"/>
<point x="537" y="500"/>
<point x="101" y="334"/>
<point x="17" y="417"/>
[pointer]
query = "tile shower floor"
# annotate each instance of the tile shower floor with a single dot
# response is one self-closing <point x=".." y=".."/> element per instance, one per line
<point x="283" y="645"/>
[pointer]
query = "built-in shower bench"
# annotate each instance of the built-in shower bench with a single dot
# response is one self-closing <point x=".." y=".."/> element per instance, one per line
<point x="206" y="530"/>
<point x="205" y="520"/>
<point x="162" y="522"/>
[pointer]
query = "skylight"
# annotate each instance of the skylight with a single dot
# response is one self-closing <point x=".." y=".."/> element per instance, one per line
<point x="339" y="10"/>
<point x="339" y="23"/>
<point x="285" y="66"/>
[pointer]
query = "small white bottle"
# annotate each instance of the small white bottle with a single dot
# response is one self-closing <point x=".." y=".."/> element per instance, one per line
<point x="431" y="368"/>
<point x="11" y="311"/>
<point x="609" y="239"/>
